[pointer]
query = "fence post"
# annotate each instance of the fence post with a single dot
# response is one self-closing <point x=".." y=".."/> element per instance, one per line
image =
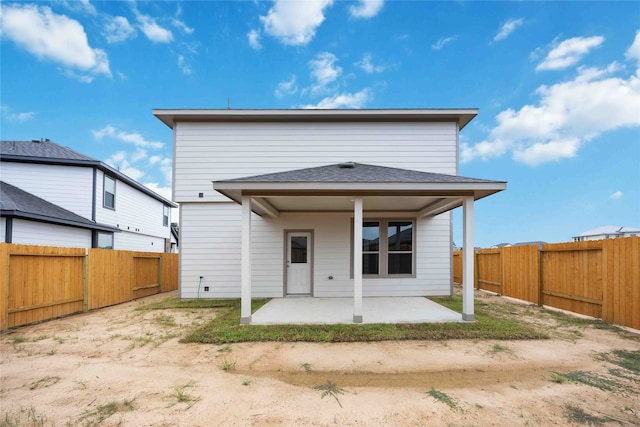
<point x="7" y="279"/>
<point x="477" y="269"/>
<point x="540" y="281"/>
<point x="85" y="281"/>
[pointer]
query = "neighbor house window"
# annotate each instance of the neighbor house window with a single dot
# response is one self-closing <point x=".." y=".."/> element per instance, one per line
<point x="388" y="248"/>
<point x="109" y="196"/>
<point x="165" y="216"/>
<point x="105" y="240"/>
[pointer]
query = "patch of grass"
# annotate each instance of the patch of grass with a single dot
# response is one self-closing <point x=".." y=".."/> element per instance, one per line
<point x="499" y="348"/>
<point x="226" y="328"/>
<point x="306" y="367"/>
<point x="564" y="320"/>
<point x="181" y="396"/>
<point x="225" y="349"/>
<point x="18" y="340"/>
<point x="330" y="389"/>
<point x="94" y="417"/>
<point x="228" y="365"/>
<point x="177" y="303"/>
<point x="591" y="379"/>
<point x="441" y="396"/>
<point x="627" y="359"/>
<point x="25" y="417"/>
<point x="578" y="415"/>
<point x="557" y="378"/>
<point x="44" y="382"/>
<point x="246" y="382"/>
<point x="165" y="320"/>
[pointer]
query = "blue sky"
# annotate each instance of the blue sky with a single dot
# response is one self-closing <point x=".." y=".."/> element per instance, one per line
<point x="557" y="85"/>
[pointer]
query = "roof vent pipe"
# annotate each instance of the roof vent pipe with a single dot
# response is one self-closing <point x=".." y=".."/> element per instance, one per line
<point x="347" y="165"/>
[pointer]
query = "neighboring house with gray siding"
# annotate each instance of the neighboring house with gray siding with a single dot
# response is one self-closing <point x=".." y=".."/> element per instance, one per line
<point x="64" y="198"/>
<point x="322" y="203"/>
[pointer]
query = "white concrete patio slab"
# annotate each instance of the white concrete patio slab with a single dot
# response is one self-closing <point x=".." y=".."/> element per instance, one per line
<point x="315" y="311"/>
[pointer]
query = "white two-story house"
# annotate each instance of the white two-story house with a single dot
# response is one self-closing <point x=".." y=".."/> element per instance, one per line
<point x="52" y="195"/>
<point x="321" y="203"/>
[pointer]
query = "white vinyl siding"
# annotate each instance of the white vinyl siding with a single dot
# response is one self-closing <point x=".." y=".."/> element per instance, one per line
<point x="69" y="187"/>
<point x="205" y="152"/>
<point x="212" y="231"/>
<point x="138" y="215"/>
<point x="43" y="234"/>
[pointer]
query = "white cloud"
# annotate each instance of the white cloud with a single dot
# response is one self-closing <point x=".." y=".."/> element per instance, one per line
<point x="508" y="28"/>
<point x="294" y="22"/>
<point x="366" y="8"/>
<point x="53" y="37"/>
<point x="288" y="87"/>
<point x="16" y="117"/>
<point x="569" y="52"/>
<point x="152" y="29"/>
<point x="442" y="42"/>
<point x="80" y="6"/>
<point x="567" y="115"/>
<point x="181" y="25"/>
<point x="345" y="100"/>
<point x="119" y="161"/>
<point x="616" y="195"/>
<point x="118" y="29"/>
<point x="128" y="137"/>
<point x="366" y="64"/>
<point x="633" y="53"/>
<point x="186" y="68"/>
<point x="158" y="189"/>
<point x="323" y="70"/>
<point x="254" y="39"/>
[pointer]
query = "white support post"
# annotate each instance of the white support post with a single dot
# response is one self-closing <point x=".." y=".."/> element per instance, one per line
<point x="245" y="290"/>
<point x="357" y="260"/>
<point x="467" y="260"/>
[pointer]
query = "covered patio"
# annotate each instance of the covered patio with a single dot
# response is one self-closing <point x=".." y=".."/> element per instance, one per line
<point x="357" y="188"/>
<point x="328" y="311"/>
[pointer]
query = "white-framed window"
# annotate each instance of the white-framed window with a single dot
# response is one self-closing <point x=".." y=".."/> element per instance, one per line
<point x="388" y="248"/>
<point x="105" y="240"/>
<point x="165" y="216"/>
<point x="109" y="192"/>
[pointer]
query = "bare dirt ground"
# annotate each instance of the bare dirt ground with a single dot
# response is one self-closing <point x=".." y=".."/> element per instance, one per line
<point x="121" y="366"/>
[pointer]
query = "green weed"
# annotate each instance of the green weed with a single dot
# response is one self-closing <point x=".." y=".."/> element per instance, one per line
<point x="228" y="365"/>
<point x="306" y="367"/>
<point x="44" y="382"/>
<point x="441" y="396"/>
<point x="330" y="389"/>
<point x="181" y="396"/>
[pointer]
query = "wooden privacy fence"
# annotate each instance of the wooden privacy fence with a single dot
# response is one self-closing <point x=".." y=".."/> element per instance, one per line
<point x="44" y="282"/>
<point x="599" y="278"/>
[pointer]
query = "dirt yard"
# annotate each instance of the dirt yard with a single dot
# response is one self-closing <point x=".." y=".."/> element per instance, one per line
<point x="122" y="366"/>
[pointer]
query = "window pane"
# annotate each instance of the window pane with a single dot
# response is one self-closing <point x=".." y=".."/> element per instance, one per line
<point x="400" y="263"/>
<point x="105" y="240"/>
<point x="370" y="263"/>
<point x="109" y="184"/>
<point x="400" y="235"/>
<point x="109" y="200"/>
<point x="165" y="216"/>
<point x="370" y="236"/>
<point x="299" y="250"/>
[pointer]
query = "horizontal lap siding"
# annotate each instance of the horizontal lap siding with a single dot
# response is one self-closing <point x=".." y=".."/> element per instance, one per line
<point x="66" y="186"/>
<point x="207" y="152"/>
<point x="213" y="232"/>
<point x="40" y="233"/>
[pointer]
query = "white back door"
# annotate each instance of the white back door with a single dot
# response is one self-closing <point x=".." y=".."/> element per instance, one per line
<point x="298" y="263"/>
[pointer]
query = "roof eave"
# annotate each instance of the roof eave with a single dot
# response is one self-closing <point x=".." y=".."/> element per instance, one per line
<point x="460" y="115"/>
<point x="57" y="221"/>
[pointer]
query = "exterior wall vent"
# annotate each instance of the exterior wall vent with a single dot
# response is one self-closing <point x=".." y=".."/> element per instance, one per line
<point x="347" y="165"/>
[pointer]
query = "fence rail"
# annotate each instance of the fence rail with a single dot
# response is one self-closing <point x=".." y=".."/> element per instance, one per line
<point x="599" y="278"/>
<point x="43" y="282"/>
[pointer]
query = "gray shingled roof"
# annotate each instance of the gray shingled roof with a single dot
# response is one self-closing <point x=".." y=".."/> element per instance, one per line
<point x="40" y="149"/>
<point x="15" y="202"/>
<point x="361" y="173"/>
<point x="51" y="153"/>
